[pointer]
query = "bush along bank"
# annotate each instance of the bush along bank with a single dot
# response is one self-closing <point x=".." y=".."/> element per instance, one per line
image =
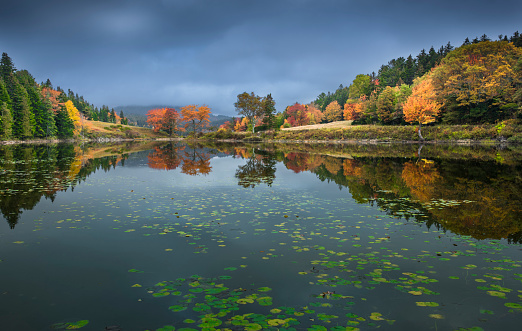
<point x="507" y="131"/>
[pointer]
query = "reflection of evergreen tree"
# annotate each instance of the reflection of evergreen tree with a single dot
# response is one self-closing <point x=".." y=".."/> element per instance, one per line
<point x="30" y="172"/>
<point x="260" y="168"/>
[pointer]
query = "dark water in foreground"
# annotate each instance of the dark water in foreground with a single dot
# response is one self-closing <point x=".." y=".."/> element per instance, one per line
<point x="260" y="237"/>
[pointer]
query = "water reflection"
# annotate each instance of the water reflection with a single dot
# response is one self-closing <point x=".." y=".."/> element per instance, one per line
<point x="468" y="191"/>
<point x="260" y="168"/>
<point x="194" y="160"/>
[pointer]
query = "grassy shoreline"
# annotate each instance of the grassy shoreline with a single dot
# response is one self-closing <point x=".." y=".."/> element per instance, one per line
<point x="510" y="133"/>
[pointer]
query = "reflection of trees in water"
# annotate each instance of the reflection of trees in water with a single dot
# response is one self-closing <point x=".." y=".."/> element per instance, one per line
<point x="259" y="169"/>
<point x="193" y="160"/>
<point x="480" y="199"/>
<point x="30" y="172"/>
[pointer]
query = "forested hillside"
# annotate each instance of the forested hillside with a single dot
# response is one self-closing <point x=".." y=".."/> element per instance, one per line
<point x="478" y="82"/>
<point x="30" y="110"/>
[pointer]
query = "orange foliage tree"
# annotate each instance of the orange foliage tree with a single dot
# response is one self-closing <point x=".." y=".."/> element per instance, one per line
<point x="195" y="118"/>
<point x="353" y="110"/>
<point x="164" y="119"/>
<point x="421" y="106"/>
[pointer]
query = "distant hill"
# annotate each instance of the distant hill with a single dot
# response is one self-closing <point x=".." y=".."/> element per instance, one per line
<point x="138" y="114"/>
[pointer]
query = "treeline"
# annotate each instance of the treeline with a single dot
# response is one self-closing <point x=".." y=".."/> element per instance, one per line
<point x="478" y="82"/>
<point x="401" y="71"/>
<point x="30" y="110"/>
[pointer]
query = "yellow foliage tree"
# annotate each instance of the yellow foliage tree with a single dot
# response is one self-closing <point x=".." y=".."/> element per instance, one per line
<point x="479" y="72"/>
<point x="74" y="115"/>
<point x="333" y="112"/>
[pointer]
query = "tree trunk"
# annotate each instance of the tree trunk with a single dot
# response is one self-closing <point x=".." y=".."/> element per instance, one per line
<point x="421" y="138"/>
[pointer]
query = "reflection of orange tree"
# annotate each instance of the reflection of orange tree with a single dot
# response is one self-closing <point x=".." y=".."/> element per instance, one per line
<point x="165" y="157"/>
<point x="420" y="178"/>
<point x="302" y="161"/>
<point x="244" y="152"/>
<point x="195" y="163"/>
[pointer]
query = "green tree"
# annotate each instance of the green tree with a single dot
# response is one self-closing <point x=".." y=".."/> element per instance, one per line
<point x="7" y="70"/>
<point x="6" y="122"/>
<point x="361" y="85"/>
<point x="269" y="111"/>
<point x="64" y="124"/>
<point x="41" y="111"/>
<point x="249" y="105"/>
<point x="23" y="118"/>
<point x="112" y="116"/>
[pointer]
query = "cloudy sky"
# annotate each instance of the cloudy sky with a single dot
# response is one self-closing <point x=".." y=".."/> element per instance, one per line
<point x="179" y="52"/>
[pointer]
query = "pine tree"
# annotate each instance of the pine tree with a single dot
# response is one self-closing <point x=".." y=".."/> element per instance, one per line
<point x="7" y="71"/>
<point x="269" y="111"/>
<point x="6" y="122"/>
<point x="64" y="124"/>
<point x="4" y="96"/>
<point x="22" y="116"/>
<point x="40" y="110"/>
<point x="409" y="70"/>
<point x="123" y="120"/>
<point x="112" y="118"/>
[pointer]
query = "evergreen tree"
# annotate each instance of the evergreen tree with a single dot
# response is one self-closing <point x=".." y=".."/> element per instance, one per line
<point x="64" y="124"/>
<point x="112" y="118"/>
<point x="409" y="70"/>
<point x="484" y="37"/>
<point x="4" y="96"/>
<point x="23" y="119"/>
<point x="123" y="120"/>
<point x="6" y="122"/>
<point x="40" y="110"/>
<point x="7" y="71"/>
<point x="466" y="42"/>
<point x="433" y="59"/>
<point x="269" y="111"/>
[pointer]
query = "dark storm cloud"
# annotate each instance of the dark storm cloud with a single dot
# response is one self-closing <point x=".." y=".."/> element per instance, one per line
<point x="119" y="52"/>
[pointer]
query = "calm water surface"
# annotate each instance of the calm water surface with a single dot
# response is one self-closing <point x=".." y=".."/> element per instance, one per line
<point x="260" y="237"/>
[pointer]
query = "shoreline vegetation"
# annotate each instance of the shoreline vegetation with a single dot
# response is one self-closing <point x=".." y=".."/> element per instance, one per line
<point x="508" y="132"/>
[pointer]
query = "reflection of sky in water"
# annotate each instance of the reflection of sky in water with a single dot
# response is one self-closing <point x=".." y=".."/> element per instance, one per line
<point x="74" y="254"/>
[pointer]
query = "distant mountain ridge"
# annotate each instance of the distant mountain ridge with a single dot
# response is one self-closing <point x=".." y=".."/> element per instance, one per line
<point x="138" y="114"/>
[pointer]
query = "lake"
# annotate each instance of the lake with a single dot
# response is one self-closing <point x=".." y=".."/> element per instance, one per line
<point x="174" y="236"/>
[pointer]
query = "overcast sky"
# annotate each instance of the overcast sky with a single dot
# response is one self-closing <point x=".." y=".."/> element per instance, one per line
<point x="179" y="52"/>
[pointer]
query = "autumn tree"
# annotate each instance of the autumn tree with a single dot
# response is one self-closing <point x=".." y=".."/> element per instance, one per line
<point x="164" y="119"/>
<point x="333" y="112"/>
<point x="249" y="105"/>
<point x="421" y="106"/>
<point x="74" y="115"/>
<point x="195" y="118"/>
<point x="475" y="81"/>
<point x="297" y="115"/>
<point x="171" y="121"/>
<point x="315" y="115"/>
<point x="353" y="110"/>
